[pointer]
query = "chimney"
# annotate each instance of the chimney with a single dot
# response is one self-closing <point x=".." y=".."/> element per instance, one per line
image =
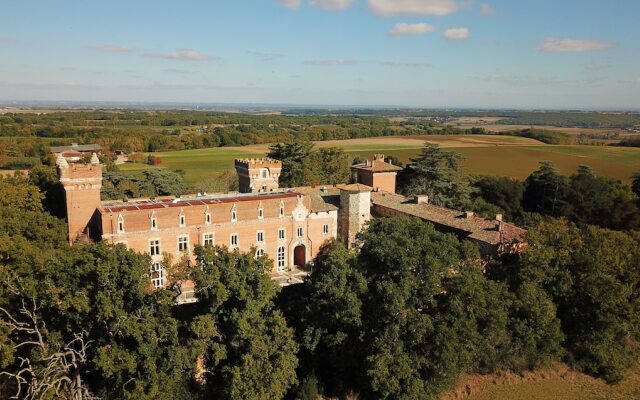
<point x="378" y="157"/>
<point x="499" y="217"/>
<point x="421" y="199"/>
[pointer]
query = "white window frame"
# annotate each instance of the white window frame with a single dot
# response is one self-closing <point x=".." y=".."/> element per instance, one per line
<point x="260" y="212"/>
<point x="300" y="232"/>
<point x="208" y="237"/>
<point x="260" y="237"/>
<point x="182" y="221"/>
<point x="183" y="244"/>
<point x="259" y="253"/>
<point x="154" y="223"/>
<point x="282" y="234"/>
<point x="120" y="223"/>
<point x="281" y="260"/>
<point x="234" y="215"/>
<point x="231" y="240"/>
<point x="325" y="229"/>
<point x="281" y="212"/>
<point x="207" y="218"/>
<point x="264" y="173"/>
<point x="154" y="247"/>
<point x="158" y="282"/>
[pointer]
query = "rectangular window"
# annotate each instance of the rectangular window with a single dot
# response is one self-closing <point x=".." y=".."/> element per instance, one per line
<point x="154" y="224"/>
<point x="154" y="247"/>
<point x="234" y="240"/>
<point x="183" y="221"/>
<point x="260" y="237"/>
<point x="157" y="275"/>
<point x="325" y="229"/>
<point x="207" y="238"/>
<point x="281" y="259"/>
<point x="234" y="216"/>
<point x="282" y="211"/>
<point x="207" y="218"/>
<point x="300" y="232"/>
<point x="183" y="243"/>
<point x="281" y="234"/>
<point x="260" y="213"/>
<point x="121" y="227"/>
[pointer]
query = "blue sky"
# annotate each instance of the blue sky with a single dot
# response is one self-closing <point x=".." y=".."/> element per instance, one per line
<point x="428" y="53"/>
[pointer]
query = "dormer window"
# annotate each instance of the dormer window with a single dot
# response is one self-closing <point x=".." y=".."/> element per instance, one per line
<point x="120" y="224"/>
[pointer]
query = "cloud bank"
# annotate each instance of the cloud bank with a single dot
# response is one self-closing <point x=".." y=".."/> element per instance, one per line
<point x="291" y="4"/>
<point x="330" y="5"/>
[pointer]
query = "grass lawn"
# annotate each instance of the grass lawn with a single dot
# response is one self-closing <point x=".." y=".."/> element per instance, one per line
<point x="496" y="155"/>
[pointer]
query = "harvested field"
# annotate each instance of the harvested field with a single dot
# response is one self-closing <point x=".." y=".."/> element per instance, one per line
<point x="495" y="155"/>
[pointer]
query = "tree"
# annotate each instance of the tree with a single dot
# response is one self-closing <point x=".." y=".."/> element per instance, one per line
<point x="592" y="275"/>
<point x="247" y="349"/>
<point x="505" y="193"/>
<point x="546" y="191"/>
<point x="437" y="173"/>
<point x="635" y="185"/>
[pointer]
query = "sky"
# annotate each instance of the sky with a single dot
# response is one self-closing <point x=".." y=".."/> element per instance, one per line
<point x="543" y="54"/>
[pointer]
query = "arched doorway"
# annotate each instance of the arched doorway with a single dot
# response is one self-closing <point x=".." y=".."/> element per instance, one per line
<point x="300" y="256"/>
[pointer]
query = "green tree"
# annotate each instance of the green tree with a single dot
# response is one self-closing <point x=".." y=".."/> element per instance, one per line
<point x="504" y="193"/>
<point x="298" y="168"/>
<point x="635" y="185"/>
<point x="248" y="350"/>
<point x="592" y="275"/>
<point x="437" y="173"/>
<point x="546" y="191"/>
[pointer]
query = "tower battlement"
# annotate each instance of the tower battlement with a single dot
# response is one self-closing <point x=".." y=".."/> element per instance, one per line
<point x="258" y="174"/>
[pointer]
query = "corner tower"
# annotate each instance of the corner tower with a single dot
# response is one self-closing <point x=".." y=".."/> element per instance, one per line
<point x="355" y="211"/>
<point x="378" y="174"/>
<point x="82" y="184"/>
<point x="258" y="174"/>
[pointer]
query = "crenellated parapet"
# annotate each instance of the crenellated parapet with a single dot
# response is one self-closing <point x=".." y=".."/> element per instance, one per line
<point x="258" y="174"/>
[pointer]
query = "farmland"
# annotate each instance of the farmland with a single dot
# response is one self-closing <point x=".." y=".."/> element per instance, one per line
<point x="497" y="155"/>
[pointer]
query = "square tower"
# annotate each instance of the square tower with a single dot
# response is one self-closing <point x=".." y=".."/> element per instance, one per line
<point x="378" y="174"/>
<point x="82" y="184"/>
<point x="355" y="211"/>
<point x="257" y="175"/>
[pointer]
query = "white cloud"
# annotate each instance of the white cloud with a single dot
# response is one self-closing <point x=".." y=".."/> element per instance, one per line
<point x="390" y="8"/>
<point x="403" y="29"/>
<point x="457" y="33"/>
<point x="337" y="62"/>
<point x="330" y="5"/>
<point x="488" y="10"/>
<point x="554" y="45"/>
<point x="291" y="4"/>
<point x="114" y="48"/>
<point x="184" y="55"/>
<point x="407" y="64"/>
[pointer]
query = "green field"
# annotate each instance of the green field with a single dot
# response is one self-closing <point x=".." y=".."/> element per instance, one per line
<point x="496" y="155"/>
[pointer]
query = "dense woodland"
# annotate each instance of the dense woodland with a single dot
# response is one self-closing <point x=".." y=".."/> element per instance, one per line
<point x="402" y="318"/>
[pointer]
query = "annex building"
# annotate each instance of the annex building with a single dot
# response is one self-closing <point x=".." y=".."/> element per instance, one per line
<point x="290" y="225"/>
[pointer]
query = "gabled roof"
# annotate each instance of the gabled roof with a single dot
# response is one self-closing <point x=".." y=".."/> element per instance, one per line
<point x="85" y="148"/>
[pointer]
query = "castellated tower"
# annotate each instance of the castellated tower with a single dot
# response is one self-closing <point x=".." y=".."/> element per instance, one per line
<point x="258" y="174"/>
<point x="355" y="211"/>
<point x="82" y="183"/>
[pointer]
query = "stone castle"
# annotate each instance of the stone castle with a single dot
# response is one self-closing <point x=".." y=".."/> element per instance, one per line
<point x="289" y="225"/>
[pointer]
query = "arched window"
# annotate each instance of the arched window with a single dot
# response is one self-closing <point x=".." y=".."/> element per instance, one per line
<point x="207" y="218"/>
<point x="154" y="223"/>
<point x="182" y="220"/>
<point x="281" y="259"/>
<point x="259" y="253"/>
<point x="234" y="214"/>
<point x="120" y="224"/>
<point x="260" y="211"/>
<point x="281" y="209"/>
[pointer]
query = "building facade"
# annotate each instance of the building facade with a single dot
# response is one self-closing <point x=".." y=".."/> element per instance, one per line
<point x="288" y="225"/>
